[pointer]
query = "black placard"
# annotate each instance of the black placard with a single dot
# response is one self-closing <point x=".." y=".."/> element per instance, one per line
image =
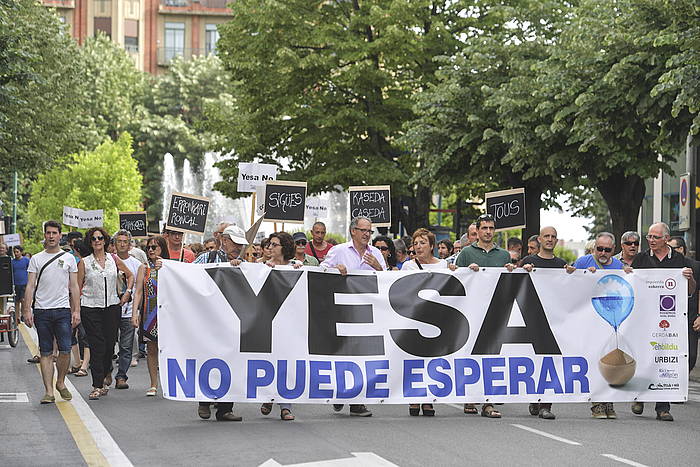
<point x="508" y="208"/>
<point x="187" y="213"/>
<point x="373" y="202"/>
<point x="285" y="201"/>
<point x="135" y="222"/>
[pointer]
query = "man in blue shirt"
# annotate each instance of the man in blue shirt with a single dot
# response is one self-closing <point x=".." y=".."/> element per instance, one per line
<point x="20" y="264"/>
<point x="602" y="256"/>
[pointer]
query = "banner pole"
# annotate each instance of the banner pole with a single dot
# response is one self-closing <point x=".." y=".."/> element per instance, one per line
<point x="275" y="226"/>
<point x="252" y="209"/>
<point x="282" y="226"/>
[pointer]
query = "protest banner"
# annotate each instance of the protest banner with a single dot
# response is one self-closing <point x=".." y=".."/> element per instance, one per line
<point x="373" y="202"/>
<point x="82" y="219"/>
<point x="134" y="222"/>
<point x="251" y="175"/>
<point x="317" y="208"/>
<point x="284" y="201"/>
<point x="307" y="335"/>
<point x="12" y="239"/>
<point x="507" y="208"/>
<point x="187" y="213"/>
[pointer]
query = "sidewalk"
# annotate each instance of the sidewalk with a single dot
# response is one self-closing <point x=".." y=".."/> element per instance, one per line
<point x="695" y="374"/>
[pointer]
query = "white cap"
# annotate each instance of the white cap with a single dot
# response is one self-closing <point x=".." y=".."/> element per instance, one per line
<point x="236" y="234"/>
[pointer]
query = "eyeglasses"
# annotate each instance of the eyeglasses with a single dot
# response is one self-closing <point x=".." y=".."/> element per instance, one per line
<point x="271" y="245"/>
<point x="631" y="243"/>
<point x="383" y="248"/>
<point x="300" y="242"/>
<point x="256" y="255"/>
<point x="98" y="238"/>
<point x="364" y="231"/>
<point x="152" y="247"/>
<point x="654" y="237"/>
<point x="605" y="249"/>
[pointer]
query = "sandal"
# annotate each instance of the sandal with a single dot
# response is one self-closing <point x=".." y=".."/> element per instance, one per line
<point x="414" y="410"/>
<point x="470" y="409"/>
<point x="73" y="370"/>
<point x="152" y="391"/>
<point x="94" y="394"/>
<point x="104" y="391"/>
<point x="489" y="412"/>
<point x="81" y="372"/>
<point x="286" y="415"/>
<point x="428" y="410"/>
<point x="266" y="408"/>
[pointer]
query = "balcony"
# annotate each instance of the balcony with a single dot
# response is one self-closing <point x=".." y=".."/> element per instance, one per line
<point x="59" y="3"/>
<point x="168" y="54"/>
<point x="196" y="7"/>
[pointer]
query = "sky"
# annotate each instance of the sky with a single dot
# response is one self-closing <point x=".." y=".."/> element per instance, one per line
<point x="568" y="227"/>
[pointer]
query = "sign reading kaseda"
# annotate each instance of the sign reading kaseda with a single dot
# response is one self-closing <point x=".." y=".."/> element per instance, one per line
<point x="285" y="201"/>
<point x="251" y="175"/>
<point x="187" y="213"/>
<point x="135" y="222"/>
<point x="507" y="208"/>
<point x="373" y="202"/>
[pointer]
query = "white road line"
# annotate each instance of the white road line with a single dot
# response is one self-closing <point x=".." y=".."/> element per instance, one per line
<point x="623" y="460"/>
<point x="546" y="435"/>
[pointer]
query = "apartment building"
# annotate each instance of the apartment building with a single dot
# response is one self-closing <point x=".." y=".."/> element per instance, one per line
<point x="153" y="32"/>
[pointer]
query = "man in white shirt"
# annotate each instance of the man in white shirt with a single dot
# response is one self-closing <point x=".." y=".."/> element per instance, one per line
<point x="52" y="304"/>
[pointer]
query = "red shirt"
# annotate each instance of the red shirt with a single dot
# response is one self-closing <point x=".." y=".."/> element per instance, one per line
<point x="188" y="255"/>
<point x="320" y="254"/>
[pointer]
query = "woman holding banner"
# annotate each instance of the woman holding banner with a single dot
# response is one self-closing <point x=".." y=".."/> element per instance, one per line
<point x="157" y="248"/>
<point x="282" y="249"/>
<point x="423" y="246"/>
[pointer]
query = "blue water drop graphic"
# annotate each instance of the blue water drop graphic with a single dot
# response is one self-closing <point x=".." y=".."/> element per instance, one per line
<point x="613" y="299"/>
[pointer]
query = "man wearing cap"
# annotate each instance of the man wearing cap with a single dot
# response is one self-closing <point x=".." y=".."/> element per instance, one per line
<point x="232" y="241"/>
<point x="177" y="252"/>
<point x="300" y="255"/>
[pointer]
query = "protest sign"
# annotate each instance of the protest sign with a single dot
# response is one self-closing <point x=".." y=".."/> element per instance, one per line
<point x="373" y="202"/>
<point x="432" y="337"/>
<point x="12" y="239"/>
<point x="284" y="201"/>
<point x="135" y="222"/>
<point x="83" y="219"/>
<point x="317" y="208"/>
<point x="187" y="213"/>
<point x="507" y="208"/>
<point x="259" y="198"/>
<point x="251" y="175"/>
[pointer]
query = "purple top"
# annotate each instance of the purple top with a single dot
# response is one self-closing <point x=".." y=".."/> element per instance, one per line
<point x="347" y="255"/>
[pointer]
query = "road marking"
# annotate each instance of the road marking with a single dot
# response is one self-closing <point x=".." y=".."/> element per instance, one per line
<point x="93" y="440"/>
<point x="546" y="435"/>
<point x="360" y="459"/>
<point x="623" y="460"/>
<point x="13" y="397"/>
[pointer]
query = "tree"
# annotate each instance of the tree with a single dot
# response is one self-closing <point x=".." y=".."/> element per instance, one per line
<point x="323" y="89"/>
<point x="106" y="178"/>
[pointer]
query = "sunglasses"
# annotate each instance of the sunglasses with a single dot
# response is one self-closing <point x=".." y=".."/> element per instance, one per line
<point x="256" y="255"/>
<point x="631" y="243"/>
<point x="98" y="238"/>
<point x="383" y="248"/>
<point x="300" y="242"/>
<point x="152" y="247"/>
<point x="411" y="252"/>
<point x="605" y="249"/>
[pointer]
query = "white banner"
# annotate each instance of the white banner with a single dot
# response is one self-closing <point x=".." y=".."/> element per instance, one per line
<point x="251" y="175"/>
<point x="260" y="334"/>
<point x="82" y="219"/>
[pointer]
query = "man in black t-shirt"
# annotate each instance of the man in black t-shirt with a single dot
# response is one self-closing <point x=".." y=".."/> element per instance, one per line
<point x="544" y="259"/>
<point x="661" y="255"/>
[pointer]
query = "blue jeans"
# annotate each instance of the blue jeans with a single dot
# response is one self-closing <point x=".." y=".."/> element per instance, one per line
<point x="53" y="323"/>
<point x="126" y="344"/>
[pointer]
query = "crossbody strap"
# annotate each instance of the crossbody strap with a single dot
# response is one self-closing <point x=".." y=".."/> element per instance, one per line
<point x="418" y="263"/>
<point x="313" y="250"/>
<point x="41" y="271"/>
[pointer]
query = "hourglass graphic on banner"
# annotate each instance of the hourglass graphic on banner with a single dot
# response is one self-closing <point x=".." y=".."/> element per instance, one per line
<point x="613" y="300"/>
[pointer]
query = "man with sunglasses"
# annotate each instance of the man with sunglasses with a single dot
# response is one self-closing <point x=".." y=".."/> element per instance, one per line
<point x="175" y="247"/>
<point x="602" y="256"/>
<point x="661" y="255"/>
<point x="630" y="247"/>
<point x="300" y="244"/>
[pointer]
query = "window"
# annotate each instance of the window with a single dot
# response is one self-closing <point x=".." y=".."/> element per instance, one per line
<point x="211" y="37"/>
<point x="104" y="25"/>
<point x="131" y="35"/>
<point x="174" y="40"/>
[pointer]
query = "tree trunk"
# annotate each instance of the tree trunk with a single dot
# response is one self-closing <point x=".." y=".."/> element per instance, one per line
<point x="416" y="215"/>
<point x="623" y="195"/>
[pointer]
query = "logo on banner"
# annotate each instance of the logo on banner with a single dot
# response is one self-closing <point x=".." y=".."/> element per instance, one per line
<point x="666" y="373"/>
<point x="670" y="284"/>
<point x="666" y="359"/>
<point x="664" y="386"/>
<point x="667" y="306"/>
<point x="663" y="324"/>
<point x="659" y="346"/>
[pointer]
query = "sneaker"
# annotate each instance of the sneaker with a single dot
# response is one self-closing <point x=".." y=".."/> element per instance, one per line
<point x="228" y="417"/>
<point x="121" y="384"/>
<point x="546" y="414"/>
<point x="610" y="411"/>
<point x="338" y="407"/>
<point x="637" y="408"/>
<point x="134" y="363"/>
<point x="204" y="411"/>
<point x="359" y="410"/>
<point x="534" y="409"/>
<point x="598" y="411"/>
<point x="664" y="416"/>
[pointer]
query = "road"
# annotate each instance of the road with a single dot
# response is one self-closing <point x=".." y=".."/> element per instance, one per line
<point x="128" y="428"/>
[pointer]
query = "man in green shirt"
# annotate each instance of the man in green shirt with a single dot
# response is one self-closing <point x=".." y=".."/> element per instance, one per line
<point x="300" y="255"/>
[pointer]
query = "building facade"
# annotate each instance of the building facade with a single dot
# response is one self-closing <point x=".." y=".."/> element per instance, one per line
<point x="153" y="32"/>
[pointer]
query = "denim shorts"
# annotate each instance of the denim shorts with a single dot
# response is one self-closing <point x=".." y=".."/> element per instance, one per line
<point x="19" y="295"/>
<point x="53" y="323"/>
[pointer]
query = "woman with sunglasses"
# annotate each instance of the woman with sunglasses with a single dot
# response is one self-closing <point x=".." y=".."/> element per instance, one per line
<point x="100" y="305"/>
<point x="156" y="249"/>
<point x="386" y="246"/>
<point x="423" y="259"/>
<point x="282" y="251"/>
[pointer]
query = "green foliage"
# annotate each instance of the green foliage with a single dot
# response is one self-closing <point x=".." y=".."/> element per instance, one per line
<point x="106" y="178"/>
<point x="564" y="253"/>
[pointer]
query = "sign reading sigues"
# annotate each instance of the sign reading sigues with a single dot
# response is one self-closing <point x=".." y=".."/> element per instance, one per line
<point x="373" y="202"/>
<point x="507" y="207"/>
<point x="285" y="201"/>
<point x="187" y="213"/>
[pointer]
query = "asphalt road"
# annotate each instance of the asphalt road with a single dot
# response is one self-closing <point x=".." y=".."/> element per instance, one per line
<point x="128" y="428"/>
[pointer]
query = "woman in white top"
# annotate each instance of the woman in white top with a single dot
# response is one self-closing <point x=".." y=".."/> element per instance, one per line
<point x="423" y="245"/>
<point x="100" y="305"/>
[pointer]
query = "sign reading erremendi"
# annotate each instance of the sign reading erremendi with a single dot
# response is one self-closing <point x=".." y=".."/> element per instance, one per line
<point x="373" y="202"/>
<point x="135" y="222"/>
<point x="507" y="208"/>
<point x="285" y="201"/>
<point x="187" y="213"/>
